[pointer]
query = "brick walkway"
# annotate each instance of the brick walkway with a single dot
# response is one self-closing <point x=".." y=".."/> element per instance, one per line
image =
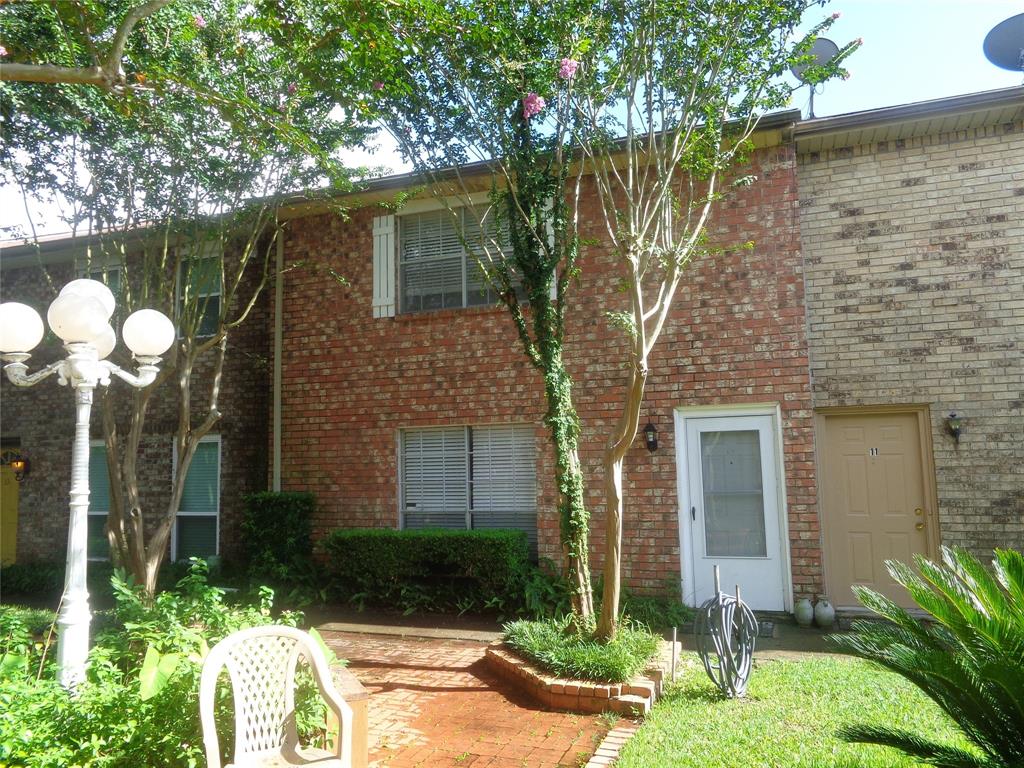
<point x="434" y="704"/>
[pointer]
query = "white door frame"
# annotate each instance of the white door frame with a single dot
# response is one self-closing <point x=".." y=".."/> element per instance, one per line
<point x="686" y="559"/>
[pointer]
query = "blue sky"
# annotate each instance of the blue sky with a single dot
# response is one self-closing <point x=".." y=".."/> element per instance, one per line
<point x="914" y="50"/>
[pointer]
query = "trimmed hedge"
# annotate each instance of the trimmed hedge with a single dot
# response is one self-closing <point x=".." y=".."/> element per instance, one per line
<point x="277" y="533"/>
<point x="428" y="570"/>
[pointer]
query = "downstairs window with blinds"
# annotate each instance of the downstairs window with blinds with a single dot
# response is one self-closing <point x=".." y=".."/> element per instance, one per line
<point x="195" y="529"/>
<point x="436" y="271"/>
<point x="97" y="546"/>
<point x="470" y="477"/>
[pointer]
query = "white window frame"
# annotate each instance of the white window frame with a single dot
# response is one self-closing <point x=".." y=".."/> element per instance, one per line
<point x="432" y="205"/>
<point x="89" y="557"/>
<point x="184" y="513"/>
<point x="210" y="250"/>
<point x="469" y="478"/>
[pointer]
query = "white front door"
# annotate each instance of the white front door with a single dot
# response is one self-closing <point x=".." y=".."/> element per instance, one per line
<point x="729" y="492"/>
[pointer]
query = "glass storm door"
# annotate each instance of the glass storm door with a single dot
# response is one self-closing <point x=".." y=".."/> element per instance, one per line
<point x="733" y="510"/>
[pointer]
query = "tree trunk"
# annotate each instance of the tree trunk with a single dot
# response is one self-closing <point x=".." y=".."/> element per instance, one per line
<point x="607" y="625"/>
<point x="614" y="458"/>
<point x="575" y="523"/>
<point x="563" y="423"/>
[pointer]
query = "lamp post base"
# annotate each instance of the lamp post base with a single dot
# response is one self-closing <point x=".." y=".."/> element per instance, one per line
<point x="73" y="639"/>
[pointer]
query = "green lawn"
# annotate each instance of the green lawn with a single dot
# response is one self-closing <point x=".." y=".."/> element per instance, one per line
<point x="789" y="718"/>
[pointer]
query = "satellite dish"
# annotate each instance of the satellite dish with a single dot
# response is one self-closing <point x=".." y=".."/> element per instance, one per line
<point x="822" y="52"/>
<point x="1004" y="44"/>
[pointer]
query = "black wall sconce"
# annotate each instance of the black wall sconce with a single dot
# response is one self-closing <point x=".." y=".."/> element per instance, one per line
<point x="953" y="426"/>
<point x="651" y="437"/>
<point x="18" y="462"/>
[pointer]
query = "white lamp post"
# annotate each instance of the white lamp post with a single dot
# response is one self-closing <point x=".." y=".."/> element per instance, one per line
<point x="80" y="316"/>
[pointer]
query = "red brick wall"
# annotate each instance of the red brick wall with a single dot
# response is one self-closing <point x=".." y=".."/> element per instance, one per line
<point x="736" y="335"/>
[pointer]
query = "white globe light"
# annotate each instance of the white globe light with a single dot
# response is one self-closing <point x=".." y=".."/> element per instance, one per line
<point x="77" y="318"/>
<point x="148" y="333"/>
<point x="92" y="288"/>
<point x="105" y="343"/>
<point x="21" y="327"/>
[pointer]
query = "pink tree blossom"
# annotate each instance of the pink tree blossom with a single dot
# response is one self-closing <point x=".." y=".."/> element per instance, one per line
<point x="378" y="85"/>
<point x="3" y="51"/>
<point x="199" y="21"/>
<point x="567" y="68"/>
<point x="532" y="105"/>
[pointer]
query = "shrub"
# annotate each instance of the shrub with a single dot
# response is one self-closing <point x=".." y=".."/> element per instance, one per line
<point x="545" y="591"/>
<point x="120" y="717"/>
<point x="429" y="570"/>
<point x="969" y="658"/>
<point x="42" y="579"/>
<point x="277" y="536"/>
<point x="657" y="612"/>
<point x="558" y="650"/>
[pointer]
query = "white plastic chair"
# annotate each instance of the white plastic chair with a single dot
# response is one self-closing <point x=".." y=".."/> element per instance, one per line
<point x="261" y="663"/>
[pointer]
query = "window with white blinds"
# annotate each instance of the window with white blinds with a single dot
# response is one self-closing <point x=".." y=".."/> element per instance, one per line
<point x="98" y="547"/>
<point x="196" y="525"/>
<point x="470" y="477"/>
<point x="436" y="271"/>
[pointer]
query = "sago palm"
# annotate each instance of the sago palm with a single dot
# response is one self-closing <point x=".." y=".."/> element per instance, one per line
<point x="967" y="656"/>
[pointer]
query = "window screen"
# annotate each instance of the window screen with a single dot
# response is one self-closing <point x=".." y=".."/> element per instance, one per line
<point x="470" y="477"/>
<point x="98" y="547"/>
<point x="436" y="271"/>
<point x="199" y="282"/>
<point x="196" y="525"/>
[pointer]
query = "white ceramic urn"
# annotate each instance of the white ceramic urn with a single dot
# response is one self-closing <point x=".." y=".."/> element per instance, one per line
<point x="824" y="614"/>
<point x="803" y="611"/>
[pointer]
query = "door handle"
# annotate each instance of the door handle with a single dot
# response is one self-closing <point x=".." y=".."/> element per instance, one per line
<point x="693" y="513"/>
<point x="920" y="526"/>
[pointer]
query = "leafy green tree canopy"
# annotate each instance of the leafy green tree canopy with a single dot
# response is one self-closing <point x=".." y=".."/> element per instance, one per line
<point x="186" y="151"/>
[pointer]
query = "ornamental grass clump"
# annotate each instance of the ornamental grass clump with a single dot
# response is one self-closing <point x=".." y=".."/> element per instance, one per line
<point x="968" y="657"/>
<point x="557" y="649"/>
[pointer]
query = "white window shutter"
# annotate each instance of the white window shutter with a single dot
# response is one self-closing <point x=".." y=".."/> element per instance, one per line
<point x="384" y="266"/>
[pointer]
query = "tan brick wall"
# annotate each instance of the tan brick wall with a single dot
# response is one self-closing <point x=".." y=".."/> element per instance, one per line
<point x="914" y="254"/>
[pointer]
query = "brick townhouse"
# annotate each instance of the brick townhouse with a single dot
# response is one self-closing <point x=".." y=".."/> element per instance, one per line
<point x="800" y="391"/>
<point x="38" y="422"/>
<point x="912" y="229"/>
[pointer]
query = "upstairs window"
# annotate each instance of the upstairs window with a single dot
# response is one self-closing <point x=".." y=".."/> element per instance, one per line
<point x="437" y="258"/>
<point x="470" y="477"/>
<point x="200" y="284"/>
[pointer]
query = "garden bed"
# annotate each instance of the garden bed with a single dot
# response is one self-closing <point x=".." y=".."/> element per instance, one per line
<point x="634" y="697"/>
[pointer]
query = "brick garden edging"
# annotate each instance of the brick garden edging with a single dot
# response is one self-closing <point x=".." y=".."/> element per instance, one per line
<point x="633" y="699"/>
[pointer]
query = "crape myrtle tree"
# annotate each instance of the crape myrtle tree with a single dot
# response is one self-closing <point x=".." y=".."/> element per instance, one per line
<point x="456" y="85"/>
<point x="666" y="104"/>
<point x="171" y="167"/>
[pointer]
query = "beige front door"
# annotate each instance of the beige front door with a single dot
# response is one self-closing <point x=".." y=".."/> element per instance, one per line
<point x="874" y="501"/>
<point x="8" y="516"/>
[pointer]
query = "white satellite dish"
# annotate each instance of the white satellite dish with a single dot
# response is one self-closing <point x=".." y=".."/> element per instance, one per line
<point x="822" y="52"/>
